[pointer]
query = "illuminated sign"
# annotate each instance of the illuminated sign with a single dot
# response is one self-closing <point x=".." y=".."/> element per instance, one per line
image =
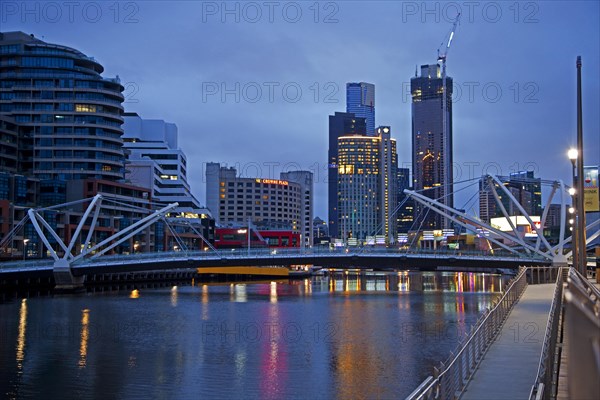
<point x="519" y="221"/>
<point x="272" y="181"/>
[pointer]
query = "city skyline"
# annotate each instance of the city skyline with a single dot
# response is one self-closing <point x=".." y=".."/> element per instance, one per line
<point x="540" y="100"/>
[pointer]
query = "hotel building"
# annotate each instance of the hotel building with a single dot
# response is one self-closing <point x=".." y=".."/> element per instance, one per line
<point x="284" y="203"/>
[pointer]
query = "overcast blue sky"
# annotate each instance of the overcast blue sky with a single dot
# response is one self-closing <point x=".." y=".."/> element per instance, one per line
<point x="513" y="64"/>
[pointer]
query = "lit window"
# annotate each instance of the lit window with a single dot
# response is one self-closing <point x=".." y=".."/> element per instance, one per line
<point x="85" y="108"/>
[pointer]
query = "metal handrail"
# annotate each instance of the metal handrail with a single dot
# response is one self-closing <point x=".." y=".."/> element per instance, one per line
<point x="545" y="383"/>
<point x="451" y="379"/>
<point x="582" y="330"/>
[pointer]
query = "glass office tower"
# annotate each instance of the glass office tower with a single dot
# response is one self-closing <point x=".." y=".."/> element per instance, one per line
<point x="360" y="101"/>
<point x="431" y="145"/>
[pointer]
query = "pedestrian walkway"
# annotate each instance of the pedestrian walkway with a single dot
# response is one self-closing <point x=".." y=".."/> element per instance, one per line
<point x="509" y="369"/>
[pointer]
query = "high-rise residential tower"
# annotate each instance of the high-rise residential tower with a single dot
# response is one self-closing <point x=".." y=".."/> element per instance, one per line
<point x="67" y="116"/>
<point x="340" y="124"/>
<point x="367" y="186"/>
<point x="388" y="182"/>
<point x="432" y="143"/>
<point x="358" y="186"/>
<point x="360" y="101"/>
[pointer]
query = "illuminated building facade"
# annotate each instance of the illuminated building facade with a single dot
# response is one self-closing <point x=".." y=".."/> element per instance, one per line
<point x="360" y="101"/>
<point x="284" y="203"/>
<point x="406" y="205"/>
<point x="388" y="182"/>
<point x="340" y="124"/>
<point x="431" y="148"/>
<point x="367" y="186"/>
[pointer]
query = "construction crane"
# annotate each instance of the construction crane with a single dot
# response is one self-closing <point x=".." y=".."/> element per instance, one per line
<point x="447" y="43"/>
<point x="445" y="134"/>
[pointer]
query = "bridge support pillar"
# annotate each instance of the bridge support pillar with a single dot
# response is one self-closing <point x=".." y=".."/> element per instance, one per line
<point x="64" y="279"/>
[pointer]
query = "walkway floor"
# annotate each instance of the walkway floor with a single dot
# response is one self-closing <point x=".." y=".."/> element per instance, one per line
<point x="510" y="366"/>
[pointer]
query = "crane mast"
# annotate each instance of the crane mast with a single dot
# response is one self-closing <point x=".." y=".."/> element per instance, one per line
<point x="446" y="187"/>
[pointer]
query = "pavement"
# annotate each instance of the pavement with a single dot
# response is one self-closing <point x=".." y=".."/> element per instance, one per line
<point x="509" y="368"/>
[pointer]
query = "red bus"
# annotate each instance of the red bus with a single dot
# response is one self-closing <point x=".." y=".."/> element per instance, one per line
<point x="233" y="238"/>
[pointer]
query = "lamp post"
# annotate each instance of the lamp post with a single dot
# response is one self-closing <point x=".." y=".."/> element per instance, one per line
<point x="579" y="208"/>
<point x="572" y="154"/>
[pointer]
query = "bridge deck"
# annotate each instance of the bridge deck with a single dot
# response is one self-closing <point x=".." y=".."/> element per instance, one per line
<point x="509" y="368"/>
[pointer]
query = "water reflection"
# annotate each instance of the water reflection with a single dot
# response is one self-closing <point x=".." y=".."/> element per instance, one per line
<point x="83" y="346"/>
<point x="273" y="293"/>
<point x="174" y="296"/>
<point x="345" y="335"/>
<point x="22" y="332"/>
<point x="404" y="281"/>
<point x="204" y="302"/>
<point x="240" y="295"/>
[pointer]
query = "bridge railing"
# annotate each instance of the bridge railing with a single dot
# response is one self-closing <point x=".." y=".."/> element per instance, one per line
<point x="450" y="378"/>
<point x="576" y="307"/>
<point x="266" y="253"/>
<point x="546" y="378"/>
<point x="582" y="330"/>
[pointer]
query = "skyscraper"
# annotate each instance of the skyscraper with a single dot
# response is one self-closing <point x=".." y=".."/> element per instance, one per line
<point x="68" y="117"/>
<point x="367" y="186"/>
<point x="358" y="185"/>
<point x="431" y="143"/>
<point x="388" y="182"/>
<point x="360" y="101"/>
<point x="340" y="124"/>
<point x="405" y="213"/>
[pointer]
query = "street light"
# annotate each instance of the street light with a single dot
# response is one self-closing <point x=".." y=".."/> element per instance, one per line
<point x="25" y="248"/>
<point x="572" y="153"/>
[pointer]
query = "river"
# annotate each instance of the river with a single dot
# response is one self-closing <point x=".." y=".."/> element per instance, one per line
<point x="344" y="336"/>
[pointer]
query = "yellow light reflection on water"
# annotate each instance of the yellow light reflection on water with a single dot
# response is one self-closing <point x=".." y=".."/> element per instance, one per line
<point x="22" y="332"/>
<point x="204" y="302"/>
<point x="240" y="293"/>
<point x="307" y="286"/>
<point x="403" y="282"/>
<point x="273" y="293"/>
<point x="135" y="294"/>
<point x="174" y="296"/>
<point x="85" y="332"/>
